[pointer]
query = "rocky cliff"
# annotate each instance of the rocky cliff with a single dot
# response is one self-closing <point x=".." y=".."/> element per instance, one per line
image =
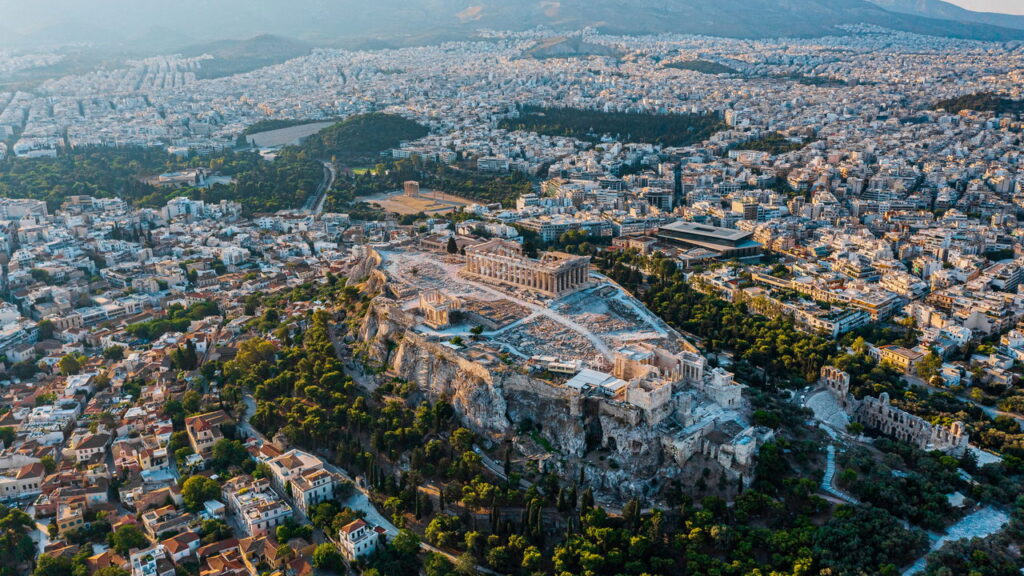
<point x="492" y="401"/>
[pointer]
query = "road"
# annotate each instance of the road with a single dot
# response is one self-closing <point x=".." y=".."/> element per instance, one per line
<point x="498" y="469"/>
<point x="490" y="464"/>
<point x="315" y="203"/>
<point x="41" y="534"/>
<point x="988" y="410"/>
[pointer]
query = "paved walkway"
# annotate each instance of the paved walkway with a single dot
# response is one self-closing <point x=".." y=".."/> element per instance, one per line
<point x="538" y="310"/>
<point x="982" y="523"/>
<point x="40" y="534"/>
<point x="828" y="482"/>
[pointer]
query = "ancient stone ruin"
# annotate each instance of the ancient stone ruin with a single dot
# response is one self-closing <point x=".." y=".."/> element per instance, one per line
<point x="878" y="414"/>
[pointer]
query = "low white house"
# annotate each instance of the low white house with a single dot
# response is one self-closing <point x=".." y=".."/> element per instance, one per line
<point x="358" y="539"/>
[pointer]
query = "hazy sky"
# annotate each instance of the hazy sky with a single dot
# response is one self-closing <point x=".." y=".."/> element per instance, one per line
<point x="1004" y="6"/>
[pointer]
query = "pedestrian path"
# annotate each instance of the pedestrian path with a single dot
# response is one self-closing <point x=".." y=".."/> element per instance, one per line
<point x="982" y="523"/>
<point x="830" y="474"/>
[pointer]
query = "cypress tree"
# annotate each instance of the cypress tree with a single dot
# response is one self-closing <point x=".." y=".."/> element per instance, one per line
<point x="587" y="500"/>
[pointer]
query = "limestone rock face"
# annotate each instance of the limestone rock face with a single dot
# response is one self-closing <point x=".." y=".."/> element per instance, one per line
<point x="556" y="412"/>
<point x="384" y="325"/>
<point x="368" y="263"/>
<point x="635" y="445"/>
<point x="477" y="398"/>
<point x="495" y="402"/>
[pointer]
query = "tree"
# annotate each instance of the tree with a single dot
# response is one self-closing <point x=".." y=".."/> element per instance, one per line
<point x="197" y="490"/>
<point x="40" y="275"/>
<point x="929" y="366"/>
<point x="291" y="529"/>
<point x="587" y="499"/>
<point x="766" y="418"/>
<point x="53" y="566"/>
<point x="192" y="402"/>
<point x="16" y="547"/>
<point x="406" y="543"/>
<point x="214" y="530"/>
<point x="227" y="453"/>
<point x="462" y="439"/>
<point x="863" y="539"/>
<point x="49" y="463"/>
<point x="532" y="558"/>
<point x="263" y="471"/>
<point x="453" y="246"/>
<point x="185" y="358"/>
<point x="46" y="399"/>
<point x="7" y="435"/>
<point x="253" y="358"/>
<point x="46" y="329"/>
<point x="860" y="346"/>
<point x="126" y="538"/>
<point x="327" y="557"/>
<point x="111" y="571"/>
<point x="437" y="565"/>
<point x="285" y="553"/>
<point x="465" y="564"/>
<point x="443" y="530"/>
<point x="114" y="353"/>
<point x="70" y="364"/>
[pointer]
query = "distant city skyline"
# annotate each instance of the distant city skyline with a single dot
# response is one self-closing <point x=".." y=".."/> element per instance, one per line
<point x="1003" y="6"/>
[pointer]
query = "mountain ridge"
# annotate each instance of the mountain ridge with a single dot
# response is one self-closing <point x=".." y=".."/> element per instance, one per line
<point x="239" y="56"/>
<point x="947" y="11"/>
<point x="343" y="22"/>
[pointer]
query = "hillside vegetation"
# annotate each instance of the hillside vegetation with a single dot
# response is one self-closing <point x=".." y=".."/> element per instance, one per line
<point x="260" y="185"/>
<point x="981" y="102"/>
<point x="773" y="143"/>
<point x="362" y="138"/>
<point x="240" y="56"/>
<point x="592" y="125"/>
<point x="702" y="66"/>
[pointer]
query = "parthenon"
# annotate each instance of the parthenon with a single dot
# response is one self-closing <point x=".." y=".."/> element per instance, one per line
<point x="554" y="274"/>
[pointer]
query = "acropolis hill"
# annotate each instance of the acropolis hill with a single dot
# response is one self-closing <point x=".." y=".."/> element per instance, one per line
<point x="580" y="378"/>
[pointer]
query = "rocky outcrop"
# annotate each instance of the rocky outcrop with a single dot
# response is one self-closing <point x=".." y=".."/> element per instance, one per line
<point x="635" y="446"/>
<point x="492" y="401"/>
<point x="384" y="325"/>
<point x="365" y="264"/>
<point x="610" y="443"/>
<point x="477" y="398"/>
